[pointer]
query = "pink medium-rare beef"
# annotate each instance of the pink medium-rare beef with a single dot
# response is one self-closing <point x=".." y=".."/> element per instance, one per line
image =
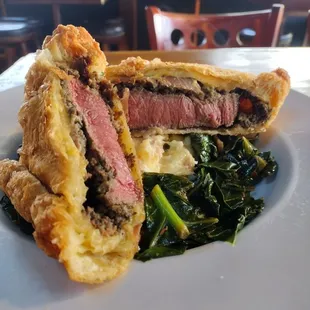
<point x="150" y="109"/>
<point x="121" y="189"/>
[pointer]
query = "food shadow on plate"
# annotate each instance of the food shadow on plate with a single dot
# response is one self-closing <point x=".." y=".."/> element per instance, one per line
<point x="278" y="188"/>
<point x="11" y="146"/>
<point x="29" y="278"/>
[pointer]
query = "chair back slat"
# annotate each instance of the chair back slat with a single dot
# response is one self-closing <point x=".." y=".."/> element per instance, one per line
<point x="174" y="31"/>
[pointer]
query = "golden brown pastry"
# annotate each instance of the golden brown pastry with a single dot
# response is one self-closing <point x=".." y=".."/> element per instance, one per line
<point x="177" y="98"/>
<point x="77" y="179"/>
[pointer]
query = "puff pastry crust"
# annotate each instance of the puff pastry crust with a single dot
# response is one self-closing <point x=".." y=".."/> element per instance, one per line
<point x="271" y="88"/>
<point x="47" y="185"/>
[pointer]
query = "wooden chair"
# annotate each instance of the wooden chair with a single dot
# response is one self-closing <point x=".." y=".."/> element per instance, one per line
<point x="14" y="37"/>
<point x="111" y="34"/>
<point x="15" y="34"/>
<point x="174" y="31"/>
<point x="307" y="36"/>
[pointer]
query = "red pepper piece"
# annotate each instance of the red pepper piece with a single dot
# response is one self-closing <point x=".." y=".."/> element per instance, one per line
<point x="246" y="105"/>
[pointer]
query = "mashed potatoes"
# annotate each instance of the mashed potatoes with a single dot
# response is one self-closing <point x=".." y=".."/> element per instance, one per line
<point x="165" y="154"/>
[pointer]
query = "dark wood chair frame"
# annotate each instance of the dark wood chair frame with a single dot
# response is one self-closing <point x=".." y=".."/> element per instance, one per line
<point x="307" y="36"/>
<point x="266" y="24"/>
<point x="9" y="44"/>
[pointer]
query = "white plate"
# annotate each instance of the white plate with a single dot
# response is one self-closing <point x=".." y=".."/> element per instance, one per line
<point x="268" y="269"/>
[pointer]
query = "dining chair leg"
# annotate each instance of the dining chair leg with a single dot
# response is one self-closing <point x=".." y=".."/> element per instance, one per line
<point x="105" y="47"/>
<point x="37" y="43"/>
<point x="36" y="40"/>
<point x="123" y="46"/>
<point x="24" y="48"/>
<point x="10" y="55"/>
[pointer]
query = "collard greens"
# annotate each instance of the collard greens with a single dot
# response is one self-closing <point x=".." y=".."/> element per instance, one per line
<point x="214" y="203"/>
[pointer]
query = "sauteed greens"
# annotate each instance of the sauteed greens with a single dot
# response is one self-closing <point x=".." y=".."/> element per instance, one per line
<point x="212" y="204"/>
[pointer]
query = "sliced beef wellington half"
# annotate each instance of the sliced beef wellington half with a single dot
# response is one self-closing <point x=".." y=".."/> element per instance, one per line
<point x="177" y="98"/>
<point x="77" y="179"/>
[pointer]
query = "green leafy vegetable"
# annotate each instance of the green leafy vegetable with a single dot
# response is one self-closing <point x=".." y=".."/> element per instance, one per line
<point x="163" y="204"/>
<point x="154" y="224"/>
<point x="204" y="147"/>
<point x="171" y="182"/>
<point x="161" y="251"/>
<point x="214" y="203"/>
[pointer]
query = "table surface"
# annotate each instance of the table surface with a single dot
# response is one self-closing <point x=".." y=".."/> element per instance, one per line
<point x="295" y="60"/>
